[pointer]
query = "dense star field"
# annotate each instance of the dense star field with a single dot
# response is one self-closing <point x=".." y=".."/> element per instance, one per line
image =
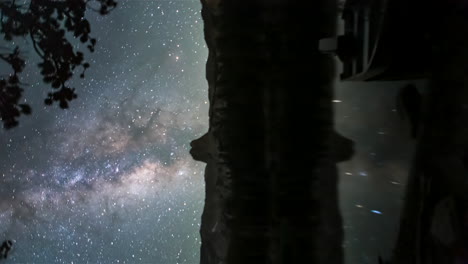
<point x="110" y="180"/>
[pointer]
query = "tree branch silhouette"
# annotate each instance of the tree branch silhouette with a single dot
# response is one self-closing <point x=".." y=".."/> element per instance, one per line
<point x="46" y="23"/>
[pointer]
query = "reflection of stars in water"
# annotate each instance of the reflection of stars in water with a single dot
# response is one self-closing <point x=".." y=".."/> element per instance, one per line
<point x="371" y="204"/>
<point x="110" y="180"/>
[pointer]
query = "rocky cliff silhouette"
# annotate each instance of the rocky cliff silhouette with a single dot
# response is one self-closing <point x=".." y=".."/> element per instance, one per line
<point x="271" y="178"/>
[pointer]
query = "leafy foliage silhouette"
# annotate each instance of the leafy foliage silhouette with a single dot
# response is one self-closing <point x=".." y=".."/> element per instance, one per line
<point x="46" y="24"/>
<point x="5" y="248"/>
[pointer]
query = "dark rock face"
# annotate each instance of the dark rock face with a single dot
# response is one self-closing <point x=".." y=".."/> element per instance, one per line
<point x="214" y="234"/>
<point x="433" y="227"/>
<point x="271" y="151"/>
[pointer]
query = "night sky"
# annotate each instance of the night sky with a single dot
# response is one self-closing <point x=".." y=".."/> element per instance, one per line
<point x="110" y="180"/>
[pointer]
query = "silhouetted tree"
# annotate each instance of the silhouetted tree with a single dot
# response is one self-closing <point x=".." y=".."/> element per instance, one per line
<point x="45" y="23"/>
<point x="5" y="248"/>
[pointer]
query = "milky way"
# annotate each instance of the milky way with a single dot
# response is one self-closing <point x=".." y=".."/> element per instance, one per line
<point x="110" y="180"/>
